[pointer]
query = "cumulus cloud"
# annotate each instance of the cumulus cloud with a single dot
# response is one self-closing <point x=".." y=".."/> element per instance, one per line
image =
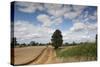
<point x="80" y="32"/>
<point x="71" y="15"/>
<point x="78" y="8"/>
<point x="47" y="21"/>
<point x="57" y="21"/>
<point x="94" y="16"/>
<point x="92" y="27"/>
<point x="56" y="10"/>
<point x="79" y="26"/>
<point x="80" y="36"/>
<point x="54" y="15"/>
<point x="25" y="31"/>
<point x="22" y="29"/>
<point x="74" y="12"/>
<point x="29" y="7"/>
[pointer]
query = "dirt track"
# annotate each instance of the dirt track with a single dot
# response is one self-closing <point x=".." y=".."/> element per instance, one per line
<point x="47" y="57"/>
<point x="35" y="55"/>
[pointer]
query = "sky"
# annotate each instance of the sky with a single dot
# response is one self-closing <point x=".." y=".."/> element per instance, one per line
<point x="38" y="21"/>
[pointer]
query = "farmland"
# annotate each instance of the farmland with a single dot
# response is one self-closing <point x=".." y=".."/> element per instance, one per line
<point x="47" y="55"/>
<point x="34" y="55"/>
<point x="25" y="54"/>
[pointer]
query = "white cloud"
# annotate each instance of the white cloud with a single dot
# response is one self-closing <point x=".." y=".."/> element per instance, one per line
<point x="54" y="9"/>
<point x="57" y="21"/>
<point x="78" y="26"/>
<point x="72" y="15"/>
<point x="55" y="14"/>
<point x="74" y="12"/>
<point x="25" y="31"/>
<point x="94" y="16"/>
<point x="22" y="29"/>
<point x="60" y="10"/>
<point x="80" y="32"/>
<point x="45" y="19"/>
<point x="86" y="14"/>
<point x="78" y="8"/>
<point x="92" y="27"/>
<point x="57" y="10"/>
<point x="78" y="37"/>
<point x="48" y="21"/>
<point x="29" y="7"/>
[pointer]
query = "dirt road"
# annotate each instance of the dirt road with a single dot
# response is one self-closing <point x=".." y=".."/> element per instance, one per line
<point x="47" y="57"/>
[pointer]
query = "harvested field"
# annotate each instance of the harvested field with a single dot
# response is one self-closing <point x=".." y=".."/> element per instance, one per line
<point x="35" y="55"/>
<point x="26" y="54"/>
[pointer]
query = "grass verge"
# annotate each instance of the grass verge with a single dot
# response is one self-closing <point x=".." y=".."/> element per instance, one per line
<point x="88" y="50"/>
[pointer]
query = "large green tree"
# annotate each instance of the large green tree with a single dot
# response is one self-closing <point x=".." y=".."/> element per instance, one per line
<point x="57" y="39"/>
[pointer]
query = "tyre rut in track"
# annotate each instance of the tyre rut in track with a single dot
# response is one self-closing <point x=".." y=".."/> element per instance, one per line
<point x="42" y="58"/>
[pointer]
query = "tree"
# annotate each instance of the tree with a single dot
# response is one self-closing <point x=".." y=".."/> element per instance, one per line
<point x="57" y="39"/>
<point x="66" y="44"/>
<point x="96" y="38"/>
<point x="13" y="42"/>
<point x="33" y="43"/>
<point x="74" y="43"/>
<point x="23" y="45"/>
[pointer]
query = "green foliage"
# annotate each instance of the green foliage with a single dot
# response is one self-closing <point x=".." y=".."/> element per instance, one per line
<point x="87" y="49"/>
<point x="57" y="39"/>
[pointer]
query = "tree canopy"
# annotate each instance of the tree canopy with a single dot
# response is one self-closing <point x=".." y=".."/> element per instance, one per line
<point x="57" y="39"/>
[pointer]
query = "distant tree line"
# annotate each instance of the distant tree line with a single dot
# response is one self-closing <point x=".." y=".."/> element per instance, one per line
<point x="14" y="43"/>
<point x="80" y="43"/>
<point x="56" y="42"/>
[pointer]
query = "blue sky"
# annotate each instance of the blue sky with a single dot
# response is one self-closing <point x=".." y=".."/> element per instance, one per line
<point x="38" y="21"/>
